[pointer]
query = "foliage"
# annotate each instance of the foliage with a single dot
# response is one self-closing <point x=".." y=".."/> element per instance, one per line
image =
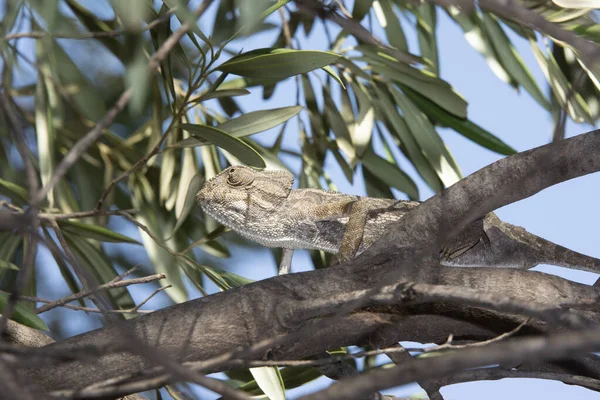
<point x="364" y="99"/>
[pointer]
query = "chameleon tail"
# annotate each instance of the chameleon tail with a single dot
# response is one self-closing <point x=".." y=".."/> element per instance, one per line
<point x="545" y="252"/>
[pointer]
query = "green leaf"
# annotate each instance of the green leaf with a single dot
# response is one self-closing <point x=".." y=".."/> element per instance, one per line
<point x="269" y="380"/>
<point x="426" y="25"/>
<point x="465" y="127"/>
<point x="511" y="59"/>
<point x="480" y="41"/>
<point x="390" y="174"/>
<point x="163" y="261"/>
<point x="94" y="232"/>
<point x="94" y="259"/>
<point x="8" y="265"/>
<point x="338" y="126"/>
<point x="227" y="142"/>
<point x="277" y="63"/>
<point x="22" y="314"/>
<point x="258" y="121"/>
<point x="390" y="22"/>
<point x="13" y="190"/>
<point x="334" y="75"/>
<point x="361" y="8"/>
<point x="409" y="147"/>
<point x="241" y="83"/>
<point x="427" y="138"/>
<point x="189" y="166"/>
<point x="220" y="93"/>
<point x="190" y="200"/>
<point x="561" y="87"/>
<point x="375" y="187"/>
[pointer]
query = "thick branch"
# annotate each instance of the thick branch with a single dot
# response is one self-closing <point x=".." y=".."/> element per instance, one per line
<point x="201" y="330"/>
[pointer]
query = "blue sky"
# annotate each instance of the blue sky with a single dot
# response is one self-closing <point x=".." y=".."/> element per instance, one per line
<point x="566" y="214"/>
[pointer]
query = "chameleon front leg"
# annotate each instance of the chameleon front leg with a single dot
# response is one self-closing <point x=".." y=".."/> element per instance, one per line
<point x="358" y="212"/>
<point x="285" y="266"/>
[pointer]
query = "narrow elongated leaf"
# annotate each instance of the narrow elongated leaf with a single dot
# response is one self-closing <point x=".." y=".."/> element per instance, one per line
<point x="22" y="314"/>
<point x="390" y="174"/>
<point x="94" y="259"/>
<point x="163" y="261"/>
<point x="334" y="75"/>
<point x="8" y="265"/>
<point x="189" y="167"/>
<point x="561" y="87"/>
<point x="480" y="41"/>
<point x="269" y="380"/>
<point x="511" y="59"/>
<point x="398" y="127"/>
<point x="428" y="140"/>
<point x="426" y="25"/>
<point x="258" y="121"/>
<point x="227" y="142"/>
<point x="95" y="232"/>
<point x="220" y="93"/>
<point x="465" y="127"/>
<point x="390" y="23"/>
<point x="338" y="126"/>
<point x="190" y="200"/>
<point x="12" y="190"/>
<point x="435" y="89"/>
<point x="277" y="63"/>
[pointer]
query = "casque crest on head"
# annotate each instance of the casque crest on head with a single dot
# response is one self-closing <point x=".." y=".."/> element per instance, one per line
<point x="239" y="189"/>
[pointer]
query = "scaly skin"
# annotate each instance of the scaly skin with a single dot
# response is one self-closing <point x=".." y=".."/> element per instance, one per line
<point x="263" y="207"/>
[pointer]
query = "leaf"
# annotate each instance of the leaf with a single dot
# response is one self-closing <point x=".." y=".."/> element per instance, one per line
<point x="22" y="314"/>
<point x="241" y="83"/>
<point x="426" y="25"/>
<point x="220" y="93"/>
<point x="258" y="121"/>
<point x="435" y="89"/>
<point x="162" y="261"/>
<point x="94" y="232"/>
<point x="577" y="3"/>
<point x="361" y="8"/>
<point x="480" y="41"/>
<point x="95" y="260"/>
<point x="13" y="190"/>
<point x="338" y="126"/>
<point x="561" y="87"/>
<point x="189" y="166"/>
<point x="8" y="265"/>
<point x="390" y="23"/>
<point x="277" y="63"/>
<point x="227" y="142"/>
<point x="511" y="60"/>
<point x="190" y="200"/>
<point x="432" y="146"/>
<point x="374" y="186"/>
<point x="465" y="127"/>
<point x="334" y="75"/>
<point x="390" y="174"/>
<point x="409" y="147"/>
<point x="269" y="380"/>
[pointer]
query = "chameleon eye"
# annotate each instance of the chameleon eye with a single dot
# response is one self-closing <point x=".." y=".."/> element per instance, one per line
<point x="240" y="177"/>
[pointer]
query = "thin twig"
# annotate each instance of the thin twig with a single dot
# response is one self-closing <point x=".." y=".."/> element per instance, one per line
<point x="82" y="144"/>
<point x="90" y="35"/>
<point x="86" y="278"/>
<point x="106" y="286"/>
<point x="134" y="310"/>
<point x="449" y="345"/>
<point x="85" y="214"/>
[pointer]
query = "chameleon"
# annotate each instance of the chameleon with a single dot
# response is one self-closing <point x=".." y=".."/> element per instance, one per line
<point x="263" y="207"/>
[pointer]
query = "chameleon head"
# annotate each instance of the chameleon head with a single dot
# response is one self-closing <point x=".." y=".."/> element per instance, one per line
<point x="240" y="195"/>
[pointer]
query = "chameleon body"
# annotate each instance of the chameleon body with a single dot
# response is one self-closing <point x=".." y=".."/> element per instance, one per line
<point x="263" y="207"/>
